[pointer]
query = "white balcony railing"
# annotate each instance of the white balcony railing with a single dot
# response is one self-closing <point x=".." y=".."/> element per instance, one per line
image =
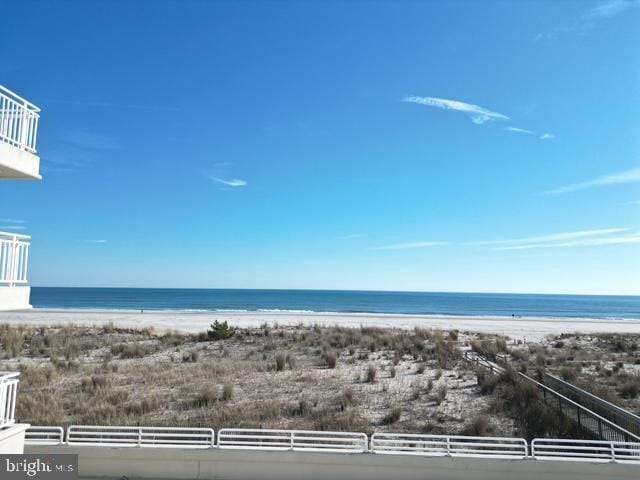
<point x="18" y="121"/>
<point x="14" y="258"/>
<point x="8" y="390"/>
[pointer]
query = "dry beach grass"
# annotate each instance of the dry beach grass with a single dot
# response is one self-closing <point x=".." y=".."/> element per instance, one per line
<point x="304" y="377"/>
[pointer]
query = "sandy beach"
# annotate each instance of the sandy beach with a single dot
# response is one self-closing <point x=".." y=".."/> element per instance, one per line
<point x="519" y="328"/>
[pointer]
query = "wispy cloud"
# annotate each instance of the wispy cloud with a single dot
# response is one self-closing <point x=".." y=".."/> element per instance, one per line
<point x="519" y="130"/>
<point x="12" y="227"/>
<point x="611" y="8"/>
<point x="580" y="238"/>
<point x="234" y="182"/>
<point x="408" y="246"/>
<point x="96" y="241"/>
<point x="590" y="19"/>
<point x="544" y="136"/>
<point x="12" y="224"/>
<point x="629" y="176"/>
<point x="478" y="115"/>
<point x="555" y="237"/>
<point x="11" y="220"/>
<point x="587" y="242"/>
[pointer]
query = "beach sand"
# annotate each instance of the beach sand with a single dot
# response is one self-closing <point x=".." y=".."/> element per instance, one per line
<point x="532" y="329"/>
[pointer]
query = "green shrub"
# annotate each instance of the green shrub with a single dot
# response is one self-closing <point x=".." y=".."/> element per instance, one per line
<point x="220" y="331"/>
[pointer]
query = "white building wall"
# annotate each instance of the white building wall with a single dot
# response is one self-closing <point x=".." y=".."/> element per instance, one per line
<point x="12" y="438"/>
<point x="14" y="298"/>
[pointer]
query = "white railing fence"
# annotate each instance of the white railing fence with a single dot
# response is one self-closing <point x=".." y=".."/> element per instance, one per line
<point x="298" y="440"/>
<point x="8" y="391"/>
<point x="581" y="450"/>
<point x="44" y="436"/>
<point x="141" y="436"/>
<point x="446" y="445"/>
<point x="14" y="259"/>
<point x="18" y="121"/>
<point x="340" y="442"/>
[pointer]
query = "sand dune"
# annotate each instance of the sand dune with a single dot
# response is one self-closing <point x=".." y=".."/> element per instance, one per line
<point x="528" y="328"/>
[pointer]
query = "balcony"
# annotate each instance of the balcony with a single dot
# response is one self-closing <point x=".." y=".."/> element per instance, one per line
<point x="11" y="433"/>
<point x="8" y="390"/>
<point x="14" y="258"/>
<point x="18" y="133"/>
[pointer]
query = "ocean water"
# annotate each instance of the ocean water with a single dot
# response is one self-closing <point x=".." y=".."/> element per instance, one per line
<point x="425" y="303"/>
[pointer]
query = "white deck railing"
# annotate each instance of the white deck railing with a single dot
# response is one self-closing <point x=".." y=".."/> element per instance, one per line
<point x="8" y="390"/>
<point x="18" y="121"/>
<point x="141" y="436"/>
<point x="589" y="450"/>
<point x="14" y="259"/>
<point x="298" y="440"/>
<point x="340" y="442"/>
<point x="44" y="436"/>
<point x="447" y="445"/>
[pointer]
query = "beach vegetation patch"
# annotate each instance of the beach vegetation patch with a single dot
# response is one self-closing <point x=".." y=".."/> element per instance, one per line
<point x="220" y="331"/>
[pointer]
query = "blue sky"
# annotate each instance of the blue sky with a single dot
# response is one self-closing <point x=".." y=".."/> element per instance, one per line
<point x="439" y="146"/>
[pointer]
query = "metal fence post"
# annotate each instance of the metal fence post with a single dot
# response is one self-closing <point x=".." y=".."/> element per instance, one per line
<point x="613" y="452"/>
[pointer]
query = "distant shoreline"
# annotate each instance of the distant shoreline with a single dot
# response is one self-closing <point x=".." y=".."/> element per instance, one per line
<point x="521" y="328"/>
<point x="286" y="312"/>
<point x="409" y="304"/>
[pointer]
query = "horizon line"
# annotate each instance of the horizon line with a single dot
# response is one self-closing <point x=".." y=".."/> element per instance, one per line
<point x="352" y="290"/>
